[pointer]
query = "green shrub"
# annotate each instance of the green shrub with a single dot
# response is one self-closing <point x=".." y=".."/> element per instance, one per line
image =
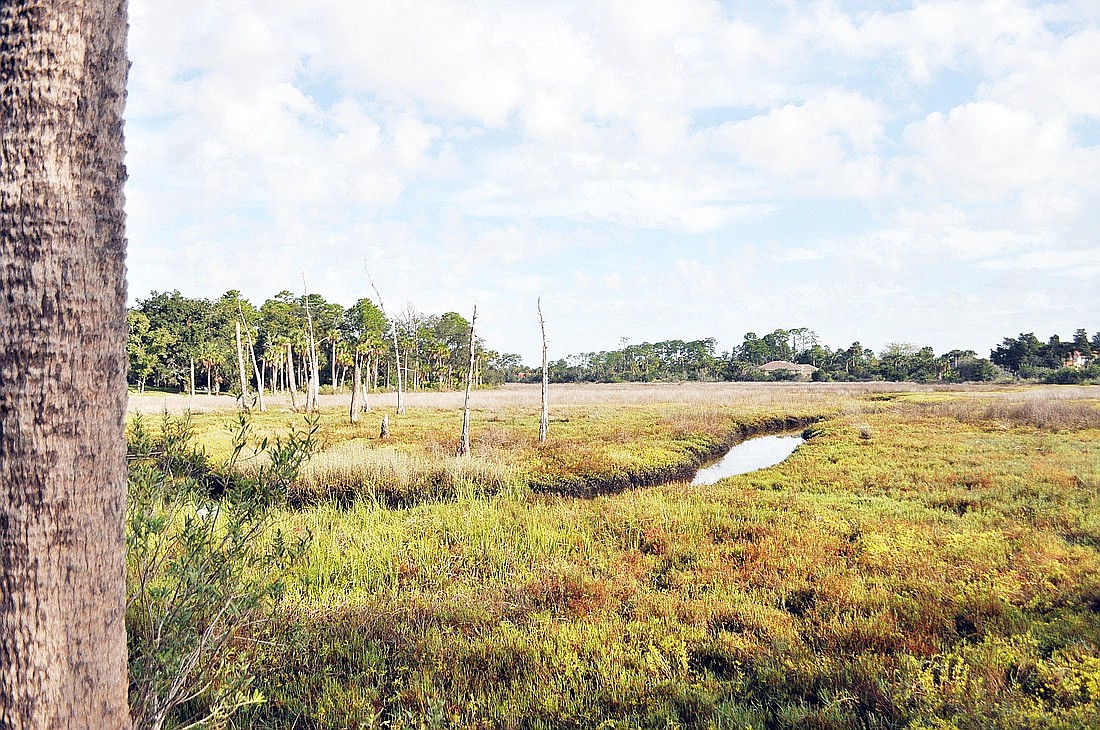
<point x="204" y="558"/>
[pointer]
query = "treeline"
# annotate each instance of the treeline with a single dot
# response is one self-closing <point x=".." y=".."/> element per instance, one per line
<point x="1055" y="361"/>
<point x="189" y="344"/>
<point x="1024" y="357"/>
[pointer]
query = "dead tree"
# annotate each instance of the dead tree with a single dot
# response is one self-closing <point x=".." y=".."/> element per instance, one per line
<point x="256" y="369"/>
<point x="464" y="438"/>
<point x="356" y="384"/>
<point x="313" y="385"/>
<point x="291" y="385"/>
<point x="544" y="418"/>
<point x="396" y="349"/>
<point x="240" y="370"/>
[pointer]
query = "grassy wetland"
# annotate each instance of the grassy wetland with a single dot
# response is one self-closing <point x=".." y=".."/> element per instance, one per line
<point x="927" y="559"/>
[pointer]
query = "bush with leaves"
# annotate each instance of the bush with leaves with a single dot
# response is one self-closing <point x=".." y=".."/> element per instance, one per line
<point x="205" y="562"/>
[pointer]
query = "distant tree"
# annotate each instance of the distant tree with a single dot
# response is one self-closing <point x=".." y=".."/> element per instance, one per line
<point x="363" y="326"/>
<point x="973" y="369"/>
<point x="753" y="351"/>
<point x="1015" y="353"/>
<point x="778" y="345"/>
<point x="145" y="347"/>
<point x="897" y="360"/>
<point x="181" y="322"/>
<point x="1081" y="342"/>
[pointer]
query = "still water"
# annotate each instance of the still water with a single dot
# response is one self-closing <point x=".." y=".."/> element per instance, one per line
<point x="755" y="453"/>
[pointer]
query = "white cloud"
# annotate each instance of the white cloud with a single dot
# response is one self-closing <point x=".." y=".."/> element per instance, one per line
<point x="1072" y="264"/>
<point x="983" y="151"/>
<point x="1059" y="79"/>
<point x="475" y="149"/>
<point x="829" y="142"/>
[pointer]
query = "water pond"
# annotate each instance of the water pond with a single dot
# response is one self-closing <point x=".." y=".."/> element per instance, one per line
<point x="750" y="455"/>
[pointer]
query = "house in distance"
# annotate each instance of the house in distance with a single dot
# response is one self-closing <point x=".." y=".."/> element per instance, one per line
<point x="794" y="369"/>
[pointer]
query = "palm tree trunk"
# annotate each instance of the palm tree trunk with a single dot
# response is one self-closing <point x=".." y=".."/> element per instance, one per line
<point x="62" y="365"/>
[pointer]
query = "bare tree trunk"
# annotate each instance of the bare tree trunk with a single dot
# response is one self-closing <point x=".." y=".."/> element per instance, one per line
<point x="396" y="349"/>
<point x="354" y="412"/>
<point x="332" y="367"/>
<point x="257" y="368"/>
<point x="313" y="384"/>
<point x="240" y="369"/>
<point x="464" y="438"/>
<point x="544" y="418"/>
<point x="192" y="377"/>
<point x="290" y="384"/>
<point x="62" y="365"/>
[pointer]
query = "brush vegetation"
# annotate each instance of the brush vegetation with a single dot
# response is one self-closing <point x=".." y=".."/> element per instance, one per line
<point x="928" y="558"/>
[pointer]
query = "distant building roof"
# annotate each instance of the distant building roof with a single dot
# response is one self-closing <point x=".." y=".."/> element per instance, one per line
<point x="771" y="367"/>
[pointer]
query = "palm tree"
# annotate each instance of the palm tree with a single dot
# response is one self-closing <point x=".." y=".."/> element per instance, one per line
<point x="62" y="365"/>
<point x="210" y="357"/>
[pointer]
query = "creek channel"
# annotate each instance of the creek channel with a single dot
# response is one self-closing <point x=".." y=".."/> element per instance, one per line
<point x="749" y="455"/>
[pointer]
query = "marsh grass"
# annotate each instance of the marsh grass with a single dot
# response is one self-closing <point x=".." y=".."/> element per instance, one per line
<point x="595" y="446"/>
<point x="360" y="469"/>
<point x="943" y="573"/>
<point x="1048" y="409"/>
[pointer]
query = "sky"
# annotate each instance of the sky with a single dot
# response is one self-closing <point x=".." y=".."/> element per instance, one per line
<point x="880" y="171"/>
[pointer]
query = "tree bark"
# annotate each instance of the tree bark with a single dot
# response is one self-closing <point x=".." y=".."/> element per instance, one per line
<point x="464" y="437"/>
<point x="62" y="365"/>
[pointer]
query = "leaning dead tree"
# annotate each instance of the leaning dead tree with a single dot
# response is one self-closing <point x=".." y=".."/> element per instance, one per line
<point x="314" y="384"/>
<point x="544" y="418"/>
<point x="291" y="385"/>
<point x="396" y="349"/>
<point x="256" y="369"/>
<point x="240" y="370"/>
<point x="464" y="438"/>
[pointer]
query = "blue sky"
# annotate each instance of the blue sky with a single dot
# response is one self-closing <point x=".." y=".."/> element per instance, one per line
<point x="876" y="171"/>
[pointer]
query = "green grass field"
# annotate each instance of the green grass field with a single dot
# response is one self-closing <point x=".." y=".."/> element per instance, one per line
<point x="927" y="559"/>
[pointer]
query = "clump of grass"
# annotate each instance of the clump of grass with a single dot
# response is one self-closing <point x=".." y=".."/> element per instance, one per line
<point x="359" y="469"/>
<point x="1037" y="409"/>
